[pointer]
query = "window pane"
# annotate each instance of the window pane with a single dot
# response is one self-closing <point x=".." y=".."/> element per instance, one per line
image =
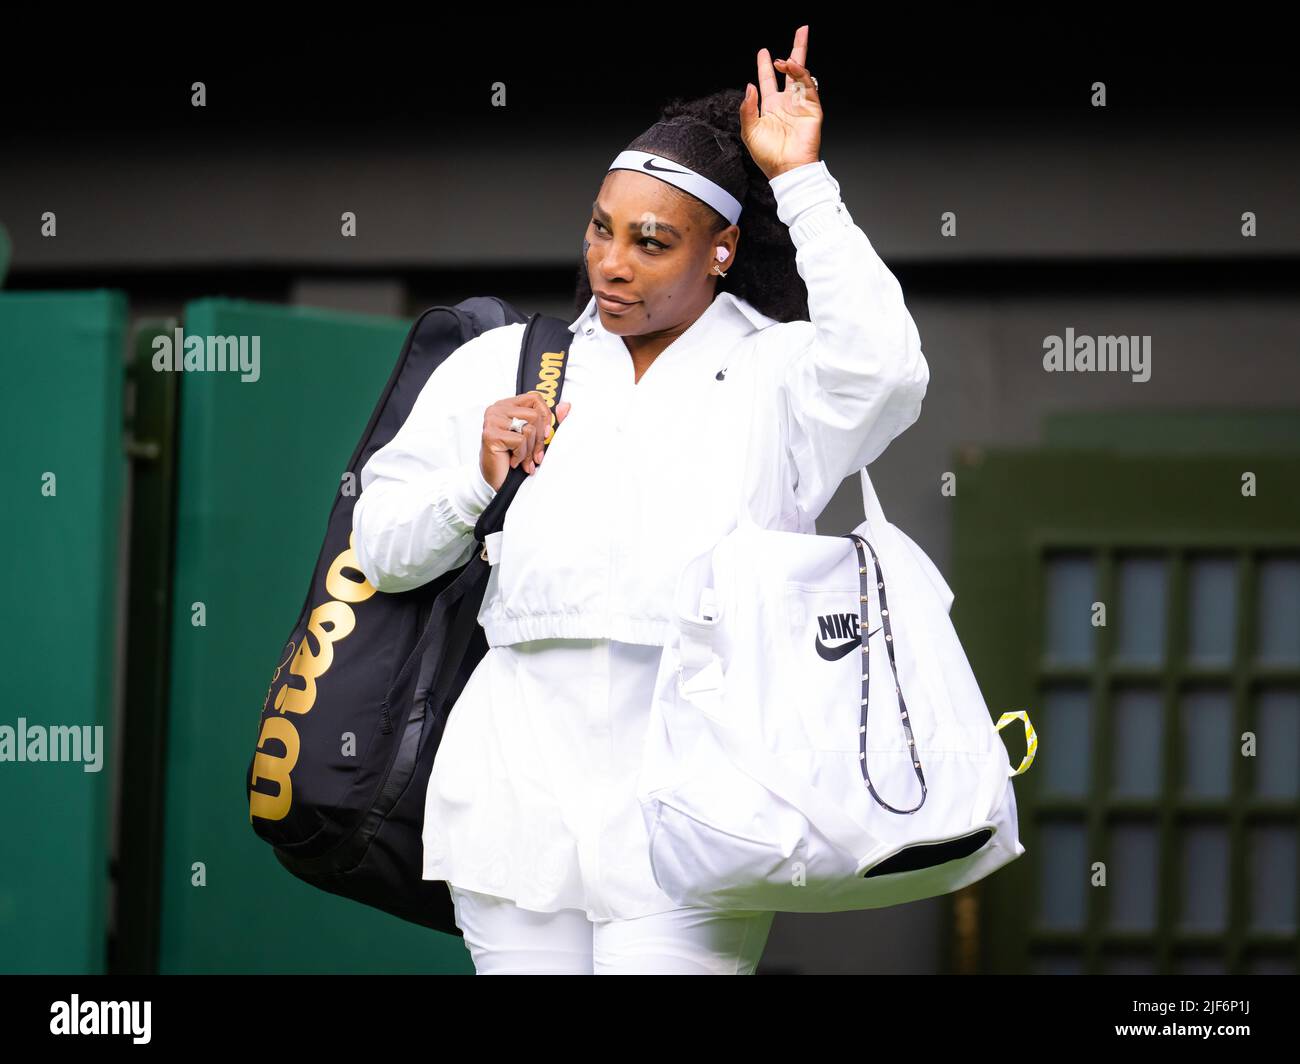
<point x="1270" y="966"/>
<point x="1277" y="744"/>
<point x="1058" y="964"/>
<point x="1278" y="618"/>
<point x="1071" y="591"/>
<point x="1273" y="878"/>
<point x="1142" y="593"/>
<point x="1137" y="741"/>
<point x="1132" y="876"/>
<point x="1131" y="964"/>
<point x="1063" y="876"/>
<point x="1065" y="747"/>
<point x="1203" y="885"/>
<point x="1200" y="965"/>
<point x="1212" y="600"/>
<point x="1207" y="743"/>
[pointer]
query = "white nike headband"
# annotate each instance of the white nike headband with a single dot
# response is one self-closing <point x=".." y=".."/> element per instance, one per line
<point x="683" y="177"/>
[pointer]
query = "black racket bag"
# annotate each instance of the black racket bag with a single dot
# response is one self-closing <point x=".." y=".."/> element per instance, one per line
<point x="360" y="697"/>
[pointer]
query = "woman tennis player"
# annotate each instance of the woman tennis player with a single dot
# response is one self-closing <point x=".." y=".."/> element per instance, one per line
<point x="739" y="338"/>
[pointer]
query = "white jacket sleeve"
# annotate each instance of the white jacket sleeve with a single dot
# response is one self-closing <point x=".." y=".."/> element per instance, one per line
<point x="857" y="377"/>
<point x="422" y="492"/>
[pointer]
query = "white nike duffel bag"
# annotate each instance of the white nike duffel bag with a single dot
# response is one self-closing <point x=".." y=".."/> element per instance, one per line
<point x="766" y="784"/>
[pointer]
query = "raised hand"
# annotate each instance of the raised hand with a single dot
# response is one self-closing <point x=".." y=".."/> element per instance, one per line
<point x="788" y="132"/>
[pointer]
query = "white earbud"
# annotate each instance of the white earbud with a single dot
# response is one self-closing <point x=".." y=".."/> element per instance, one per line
<point x="722" y="254"/>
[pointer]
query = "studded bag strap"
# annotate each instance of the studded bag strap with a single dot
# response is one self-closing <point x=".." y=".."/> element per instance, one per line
<point x="863" y="598"/>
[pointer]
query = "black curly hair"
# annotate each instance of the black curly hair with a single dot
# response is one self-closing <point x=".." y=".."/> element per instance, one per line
<point x="704" y="134"/>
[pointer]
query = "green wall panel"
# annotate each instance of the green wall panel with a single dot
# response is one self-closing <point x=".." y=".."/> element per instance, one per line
<point x="259" y="464"/>
<point x="61" y="413"/>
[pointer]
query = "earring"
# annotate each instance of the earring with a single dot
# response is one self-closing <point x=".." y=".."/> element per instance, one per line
<point x="718" y="270"/>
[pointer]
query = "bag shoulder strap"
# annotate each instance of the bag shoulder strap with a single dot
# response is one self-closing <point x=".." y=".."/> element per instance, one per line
<point x="543" y="358"/>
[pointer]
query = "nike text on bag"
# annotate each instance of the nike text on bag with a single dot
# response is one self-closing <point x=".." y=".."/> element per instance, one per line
<point x="386" y="668"/>
<point x="766" y="784"/>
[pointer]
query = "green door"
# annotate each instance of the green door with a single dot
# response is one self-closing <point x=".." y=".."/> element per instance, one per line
<point x="1146" y="609"/>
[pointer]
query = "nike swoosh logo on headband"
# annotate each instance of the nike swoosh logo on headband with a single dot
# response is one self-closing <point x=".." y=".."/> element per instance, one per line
<point x="649" y="165"/>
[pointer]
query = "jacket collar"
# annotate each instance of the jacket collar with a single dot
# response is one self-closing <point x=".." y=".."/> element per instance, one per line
<point x="738" y="313"/>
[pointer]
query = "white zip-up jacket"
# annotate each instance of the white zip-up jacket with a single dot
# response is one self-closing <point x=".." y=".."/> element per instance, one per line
<point x="642" y="476"/>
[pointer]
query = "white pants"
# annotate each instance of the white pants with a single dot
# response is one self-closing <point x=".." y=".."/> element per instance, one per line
<point x="504" y="939"/>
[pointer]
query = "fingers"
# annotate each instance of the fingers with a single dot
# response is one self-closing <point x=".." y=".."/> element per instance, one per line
<point x="523" y="442"/>
<point x="748" y="109"/>
<point x="525" y="445"/>
<point x="767" y="90"/>
<point x="796" y="75"/>
<point x="802" y="90"/>
<point x="504" y="437"/>
<point x="799" y="53"/>
<point x="544" y="425"/>
<point x="794" y="67"/>
<point x="543" y="428"/>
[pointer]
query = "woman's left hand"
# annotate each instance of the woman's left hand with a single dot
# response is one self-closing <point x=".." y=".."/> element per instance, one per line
<point x="789" y="131"/>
